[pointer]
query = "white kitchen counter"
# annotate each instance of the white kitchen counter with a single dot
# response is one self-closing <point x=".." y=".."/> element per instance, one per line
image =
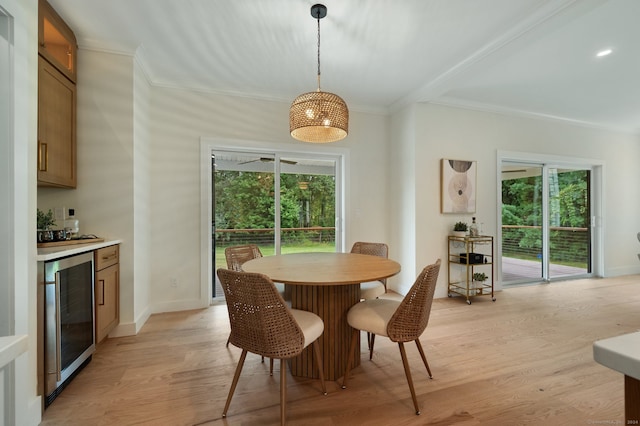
<point x="622" y="354"/>
<point x="11" y="347"/>
<point x="52" y="253"/>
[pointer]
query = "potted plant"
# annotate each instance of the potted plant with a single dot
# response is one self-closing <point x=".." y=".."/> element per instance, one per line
<point x="44" y="223"/>
<point x="479" y="277"/>
<point x="460" y="229"/>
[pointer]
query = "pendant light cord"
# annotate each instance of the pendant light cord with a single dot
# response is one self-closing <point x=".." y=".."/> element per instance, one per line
<point x="318" y="17"/>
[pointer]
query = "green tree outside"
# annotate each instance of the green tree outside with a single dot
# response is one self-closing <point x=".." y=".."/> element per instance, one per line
<point x="568" y="208"/>
<point x="245" y="200"/>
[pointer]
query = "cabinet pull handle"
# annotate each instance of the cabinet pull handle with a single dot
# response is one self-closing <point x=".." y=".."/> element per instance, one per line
<point x="101" y="302"/>
<point x="58" y="330"/>
<point x="43" y="157"/>
<point x="111" y="256"/>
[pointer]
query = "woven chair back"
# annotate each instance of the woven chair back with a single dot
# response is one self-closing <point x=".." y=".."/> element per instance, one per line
<point x="373" y="249"/>
<point x="260" y="319"/>
<point x="412" y="316"/>
<point x="236" y="256"/>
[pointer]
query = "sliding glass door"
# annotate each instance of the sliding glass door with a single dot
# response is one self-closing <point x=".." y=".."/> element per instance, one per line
<point x="569" y="222"/>
<point x="282" y="202"/>
<point x="243" y="198"/>
<point x="523" y="243"/>
<point x="307" y="204"/>
<point x="546" y="222"/>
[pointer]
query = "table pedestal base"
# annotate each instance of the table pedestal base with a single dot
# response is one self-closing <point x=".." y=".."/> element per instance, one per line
<point x="331" y="303"/>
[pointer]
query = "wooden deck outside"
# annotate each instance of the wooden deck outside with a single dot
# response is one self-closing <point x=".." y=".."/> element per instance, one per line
<point x="518" y="270"/>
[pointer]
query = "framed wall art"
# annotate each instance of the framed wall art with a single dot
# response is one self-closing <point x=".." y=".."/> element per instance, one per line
<point x="458" y="186"/>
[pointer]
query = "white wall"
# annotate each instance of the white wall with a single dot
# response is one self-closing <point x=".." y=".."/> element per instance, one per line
<point x="6" y="175"/>
<point x="181" y="118"/>
<point x="21" y="188"/>
<point x="141" y="196"/>
<point x="393" y="175"/>
<point x="7" y="301"/>
<point x="139" y="175"/>
<point x="445" y="132"/>
<point x="402" y="199"/>
<point x="111" y="170"/>
<point x="138" y="152"/>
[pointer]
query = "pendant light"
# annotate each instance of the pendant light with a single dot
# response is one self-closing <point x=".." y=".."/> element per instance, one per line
<point x="319" y="116"/>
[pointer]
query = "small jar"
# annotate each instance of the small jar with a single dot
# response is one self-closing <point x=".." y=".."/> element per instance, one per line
<point x="59" y="235"/>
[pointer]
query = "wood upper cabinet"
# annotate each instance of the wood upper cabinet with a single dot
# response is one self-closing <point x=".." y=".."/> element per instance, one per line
<point x="56" y="41"/>
<point x="107" y="290"/>
<point x="56" y="128"/>
<point x="56" y="101"/>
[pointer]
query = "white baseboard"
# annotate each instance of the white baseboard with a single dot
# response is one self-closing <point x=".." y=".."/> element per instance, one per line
<point x="132" y="328"/>
<point x="34" y="416"/>
<point x="626" y="270"/>
<point x="121" y="330"/>
<point x="180" y="305"/>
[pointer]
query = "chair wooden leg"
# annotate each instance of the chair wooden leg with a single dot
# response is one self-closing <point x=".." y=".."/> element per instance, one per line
<point x="271" y="366"/>
<point x="407" y="372"/>
<point x="316" y="350"/>
<point x="352" y="351"/>
<point x="424" y="358"/>
<point x="227" y="345"/>
<point x="283" y="391"/>
<point x="236" y="376"/>
<point x="371" y="343"/>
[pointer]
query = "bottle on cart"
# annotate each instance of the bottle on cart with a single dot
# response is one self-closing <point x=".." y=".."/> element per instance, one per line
<point x="72" y="225"/>
<point x="473" y="229"/>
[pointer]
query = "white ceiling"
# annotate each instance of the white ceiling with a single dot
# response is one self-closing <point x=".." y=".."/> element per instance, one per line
<point x="516" y="56"/>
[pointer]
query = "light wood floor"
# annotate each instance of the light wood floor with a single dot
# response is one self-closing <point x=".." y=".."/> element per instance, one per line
<point x="525" y="359"/>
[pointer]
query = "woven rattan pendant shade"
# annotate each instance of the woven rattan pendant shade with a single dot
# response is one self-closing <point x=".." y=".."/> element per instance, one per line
<point x="319" y="117"/>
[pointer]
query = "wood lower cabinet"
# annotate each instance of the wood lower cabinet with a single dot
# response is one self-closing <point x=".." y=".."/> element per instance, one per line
<point x="107" y="290"/>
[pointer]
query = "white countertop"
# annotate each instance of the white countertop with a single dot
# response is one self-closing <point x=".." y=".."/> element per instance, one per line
<point x="11" y="347"/>
<point x="51" y="253"/>
<point x="621" y="353"/>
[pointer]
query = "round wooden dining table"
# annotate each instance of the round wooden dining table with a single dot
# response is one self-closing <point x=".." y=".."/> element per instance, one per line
<point x="327" y="284"/>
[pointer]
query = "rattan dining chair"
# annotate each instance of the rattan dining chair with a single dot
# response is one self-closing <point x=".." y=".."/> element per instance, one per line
<point x="401" y="321"/>
<point x="236" y="256"/>
<point x="262" y="323"/>
<point x="372" y="289"/>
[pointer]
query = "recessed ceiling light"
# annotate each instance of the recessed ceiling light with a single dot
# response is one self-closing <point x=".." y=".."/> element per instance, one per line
<point x="604" y="52"/>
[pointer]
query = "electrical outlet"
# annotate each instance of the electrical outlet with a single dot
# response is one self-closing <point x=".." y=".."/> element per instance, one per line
<point x="58" y="214"/>
<point x="174" y="282"/>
